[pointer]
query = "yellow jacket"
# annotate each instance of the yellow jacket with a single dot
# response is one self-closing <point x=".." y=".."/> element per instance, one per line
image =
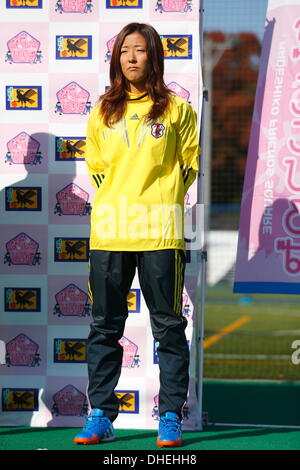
<point x="141" y="172"/>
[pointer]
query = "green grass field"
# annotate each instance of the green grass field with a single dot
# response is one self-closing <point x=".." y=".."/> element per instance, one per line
<point x="258" y="345"/>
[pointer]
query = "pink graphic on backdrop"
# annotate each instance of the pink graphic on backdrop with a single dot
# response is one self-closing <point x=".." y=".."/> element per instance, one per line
<point x="72" y="99"/>
<point x="22" y="351"/>
<point x="289" y="250"/>
<point x="187" y="305"/>
<point x="181" y="6"/>
<point x="187" y="87"/>
<point x="73" y="306"/>
<point x="23" y="49"/>
<point x="72" y="200"/>
<point x="268" y="257"/>
<point x="22" y="249"/>
<point x="155" y="410"/>
<point x="73" y="6"/>
<point x="179" y="90"/>
<point x="74" y="10"/>
<point x="174" y="10"/>
<point x="291" y="175"/>
<point x="109" y="47"/>
<point x="72" y="301"/>
<point x="23" y="149"/>
<point x="107" y="38"/>
<point x="187" y="204"/>
<point x="71" y="203"/>
<point x="69" y="401"/>
<point x="152" y="400"/>
<point x="129" y="351"/>
<point x="66" y="399"/>
<point x="25" y="348"/>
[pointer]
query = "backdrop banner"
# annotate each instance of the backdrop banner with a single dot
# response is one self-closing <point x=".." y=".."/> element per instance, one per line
<point x="54" y="64"/>
<point x="268" y="257"/>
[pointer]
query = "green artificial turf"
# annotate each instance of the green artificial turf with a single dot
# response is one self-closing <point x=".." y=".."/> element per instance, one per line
<point x="211" y="438"/>
<point x="238" y="403"/>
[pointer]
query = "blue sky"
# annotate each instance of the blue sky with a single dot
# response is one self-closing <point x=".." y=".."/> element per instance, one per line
<point x="231" y="16"/>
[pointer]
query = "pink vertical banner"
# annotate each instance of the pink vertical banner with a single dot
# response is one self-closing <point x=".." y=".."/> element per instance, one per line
<point x="268" y="255"/>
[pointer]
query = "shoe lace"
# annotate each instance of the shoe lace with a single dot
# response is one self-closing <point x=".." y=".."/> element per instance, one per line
<point x="171" y="424"/>
<point x="91" y="421"/>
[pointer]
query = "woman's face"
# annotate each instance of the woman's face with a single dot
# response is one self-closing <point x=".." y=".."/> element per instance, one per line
<point x="134" y="61"/>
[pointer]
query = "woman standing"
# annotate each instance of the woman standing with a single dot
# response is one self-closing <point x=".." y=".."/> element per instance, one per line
<point x="142" y="155"/>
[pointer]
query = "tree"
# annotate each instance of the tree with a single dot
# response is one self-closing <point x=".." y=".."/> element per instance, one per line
<point x="234" y="85"/>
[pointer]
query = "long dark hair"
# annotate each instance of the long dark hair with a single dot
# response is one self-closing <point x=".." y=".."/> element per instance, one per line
<point x="113" y="102"/>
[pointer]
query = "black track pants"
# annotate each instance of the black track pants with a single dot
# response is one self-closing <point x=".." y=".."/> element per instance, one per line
<point x="161" y="277"/>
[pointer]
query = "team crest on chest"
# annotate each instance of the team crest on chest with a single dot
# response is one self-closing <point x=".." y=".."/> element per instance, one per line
<point x="157" y="130"/>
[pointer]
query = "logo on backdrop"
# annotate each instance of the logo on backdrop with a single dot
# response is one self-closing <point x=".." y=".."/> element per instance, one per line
<point x="155" y="410"/>
<point x="130" y="357"/>
<point x="74" y="6"/>
<point x="23" y="49"/>
<point x="24" y="3"/>
<point x="187" y="306"/>
<point x="73" y="99"/>
<point x="177" y="46"/>
<point x="73" y="47"/>
<point x="22" y="250"/>
<point x="72" y="200"/>
<point x="70" y="148"/>
<point x="23" y="149"/>
<point x="155" y="356"/>
<point x="23" y="97"/>
<point x="69" y="350"/>
<point x="124" y="3"/>
<point x="21" y="198"/>
<point x="155" y="347"/>
<point x="22" y="351"/>
<point x="182" y="6"/>
<point x="179" y="91"/>
<point x="69" y="401"/>
<point x="128" y="401"/>
<point x="71" y="249"/>
<point x="109" y="47"/>
<point x="72" y="302"/>
<point x="22" y="299"/>
<point x="134" y="301"/>
<point x="20" y="399"/>
<point x="187" y="204"/>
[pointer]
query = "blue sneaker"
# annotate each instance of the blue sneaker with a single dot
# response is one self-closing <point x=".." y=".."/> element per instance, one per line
<point x="97" y="429"/>
<point x="169" y="431"/>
